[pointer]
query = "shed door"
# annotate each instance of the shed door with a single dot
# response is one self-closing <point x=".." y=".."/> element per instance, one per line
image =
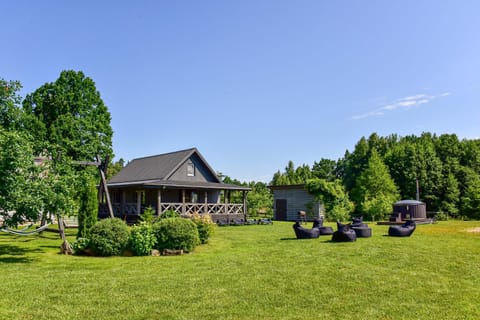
<point x="281" y="209"/>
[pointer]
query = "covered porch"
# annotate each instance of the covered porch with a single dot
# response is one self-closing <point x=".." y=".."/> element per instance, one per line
<point x="214" y="199"/>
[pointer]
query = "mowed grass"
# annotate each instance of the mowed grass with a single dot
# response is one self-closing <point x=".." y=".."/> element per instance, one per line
<point x="252" y="272"/>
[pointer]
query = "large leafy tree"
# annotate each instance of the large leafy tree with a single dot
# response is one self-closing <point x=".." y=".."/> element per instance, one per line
<point x="375" y="189"/>
<point x="69" y="117"/>
<point x="10" y="111"/>
<point x="333" y="196"/>
<point x="29" y="188"/>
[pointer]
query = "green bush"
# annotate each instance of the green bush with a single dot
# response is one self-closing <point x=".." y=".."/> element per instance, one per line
<point x="176" y="233"/>
<point x="109" y="237"/>
<point x="169" y="214"/>
<point x="80" y="245"/>
<point x="142" y="239"/>
<point x="205" y="226"/>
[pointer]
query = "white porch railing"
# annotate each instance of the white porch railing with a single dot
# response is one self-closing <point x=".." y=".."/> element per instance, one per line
<point x="182" y="208"/>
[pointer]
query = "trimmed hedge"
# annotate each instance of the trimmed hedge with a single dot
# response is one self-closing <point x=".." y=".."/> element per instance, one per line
<point x="175" y="234"/>
<point x="109" y="237"/>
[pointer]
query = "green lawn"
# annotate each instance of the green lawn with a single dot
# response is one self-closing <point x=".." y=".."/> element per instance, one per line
<point x="252" y="272"/>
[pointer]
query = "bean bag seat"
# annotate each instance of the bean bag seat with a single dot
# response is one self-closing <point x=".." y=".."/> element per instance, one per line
<point x="344" y="233"/>
<point x="363" y="232"/>
<point x="305" y="233"/>
<point x="357" y="222"/>
<point x="324" y="230"/>
<point x="404" y="230"/>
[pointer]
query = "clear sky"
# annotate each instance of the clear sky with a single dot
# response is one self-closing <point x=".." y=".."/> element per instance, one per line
<point x="252" y="83"/>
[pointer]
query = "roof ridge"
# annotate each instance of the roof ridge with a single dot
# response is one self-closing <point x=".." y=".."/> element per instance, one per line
<point x="167" y="153"/>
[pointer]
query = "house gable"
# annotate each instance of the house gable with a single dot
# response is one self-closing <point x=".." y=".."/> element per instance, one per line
<point x="167" y="167"/>
<point x="193" y="169"/>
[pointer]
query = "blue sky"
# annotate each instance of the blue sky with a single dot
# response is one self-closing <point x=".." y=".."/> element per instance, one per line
<point x="254" y="84"/>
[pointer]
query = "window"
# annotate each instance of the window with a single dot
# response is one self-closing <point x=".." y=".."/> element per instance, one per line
<point x="190" y="170"/>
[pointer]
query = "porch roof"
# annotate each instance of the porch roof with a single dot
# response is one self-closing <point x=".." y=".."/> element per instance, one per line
<point x="179" y="184"/>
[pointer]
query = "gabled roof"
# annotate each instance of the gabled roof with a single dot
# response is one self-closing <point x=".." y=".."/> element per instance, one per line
<point x="159" y="167"/>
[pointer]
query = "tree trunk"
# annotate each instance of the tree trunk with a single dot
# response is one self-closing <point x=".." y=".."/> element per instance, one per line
<point x="65" y="248"/>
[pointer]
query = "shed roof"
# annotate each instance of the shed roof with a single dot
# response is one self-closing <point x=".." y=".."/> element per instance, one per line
<point x="408" y="203"/>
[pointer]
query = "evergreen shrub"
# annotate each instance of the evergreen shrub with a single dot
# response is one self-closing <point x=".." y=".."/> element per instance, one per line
<point x="176" y="233"/>
<point x="109" y="237"/>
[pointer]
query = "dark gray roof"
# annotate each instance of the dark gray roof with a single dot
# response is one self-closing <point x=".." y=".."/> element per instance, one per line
<point x="158" y="167"/>
<point x="155" y="171"/>
<point x="180" y="184"/>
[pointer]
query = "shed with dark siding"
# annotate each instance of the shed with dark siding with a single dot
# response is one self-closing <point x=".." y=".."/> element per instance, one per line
<point x="288" y="200"/>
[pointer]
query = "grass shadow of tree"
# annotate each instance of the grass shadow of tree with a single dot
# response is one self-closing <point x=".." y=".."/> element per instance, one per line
<point x="15" y="254"/>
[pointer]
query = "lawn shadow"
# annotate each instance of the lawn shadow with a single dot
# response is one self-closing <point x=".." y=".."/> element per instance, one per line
<point x="288" y="239"/>
<point x="15" y="254"/>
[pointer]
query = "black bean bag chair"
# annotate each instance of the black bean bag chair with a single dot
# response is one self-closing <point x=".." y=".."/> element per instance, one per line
<point x="357" y="222"/>
<point x="344" y="233"/>
<point x="404" y="230"/>
<point x="324" y="230"/>
<point x="305" y="233"/>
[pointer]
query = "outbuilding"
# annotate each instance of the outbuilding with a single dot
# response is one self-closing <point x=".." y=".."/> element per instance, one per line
<point x="288" y="200"/>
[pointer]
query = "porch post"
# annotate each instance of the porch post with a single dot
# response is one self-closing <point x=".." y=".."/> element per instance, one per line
<point x="122" y="204"/>
<point x="139" y="202"/>
<point x="244" y="193"/>
<point x="205" y="210"/>
<point x="225" y="198"/>
<point x="159" y="202"/>
<point x="183" y="201"/>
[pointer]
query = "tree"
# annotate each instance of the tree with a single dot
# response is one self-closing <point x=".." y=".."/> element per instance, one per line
<point x="333" y="196"/>
<point x="68" y="116"/>
<point x="10" y="111"/>
<point x="20" y="183"/>
<point x="29" y="190"/>
<point x="325" y="169"/>
<point x="88" y="210"/>
<point x="375" y="189"/>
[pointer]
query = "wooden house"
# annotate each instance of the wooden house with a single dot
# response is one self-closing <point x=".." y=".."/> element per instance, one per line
<point x="181" y="181"/>
<point x="288" y="200"/>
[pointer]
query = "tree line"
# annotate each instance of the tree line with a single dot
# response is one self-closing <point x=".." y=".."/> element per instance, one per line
<point x="382" y="170"/>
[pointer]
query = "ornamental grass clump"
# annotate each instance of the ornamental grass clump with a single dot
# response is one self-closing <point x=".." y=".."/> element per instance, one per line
<point x="109" y="237"/>
<point x="205" y="226"/>
<point x="176" y="234"/>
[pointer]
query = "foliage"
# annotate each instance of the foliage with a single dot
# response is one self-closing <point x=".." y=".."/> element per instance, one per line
<point x="10" y="111"/>
<point x="292" y="175"/>
<point x="109" y="237"/>
<point x="80" y="245"/>
<point x="88" y="210"/>
<point x="142" y="240"/>
<point x="115" y="167"/>
<point x="375" y="191"/>
<point x="205" y="225"/>
<point x="148" y="216"/>
<point x="169" y="214"/>
<point x="68" y="116"/>
<point x="259" y="199"/>
<point x="20" y="180"/>
<point x="333" y="196"/>
<point x="176" y="233"/>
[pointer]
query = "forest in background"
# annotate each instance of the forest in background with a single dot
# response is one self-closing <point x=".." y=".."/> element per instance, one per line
<point x="66" y="120"/>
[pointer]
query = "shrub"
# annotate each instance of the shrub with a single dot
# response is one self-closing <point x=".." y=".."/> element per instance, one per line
<point x="176" y="233"/>
<point x="205" y="226"/>
<point x="142" y="239"/>
<point x="148" y="216"/>
<point x="169" y="214"/>
<point x="80" y="245"/>
<point x="109" y="237"/>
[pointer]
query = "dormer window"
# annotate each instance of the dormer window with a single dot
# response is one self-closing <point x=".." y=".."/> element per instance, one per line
<point x="190" y="170"/>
